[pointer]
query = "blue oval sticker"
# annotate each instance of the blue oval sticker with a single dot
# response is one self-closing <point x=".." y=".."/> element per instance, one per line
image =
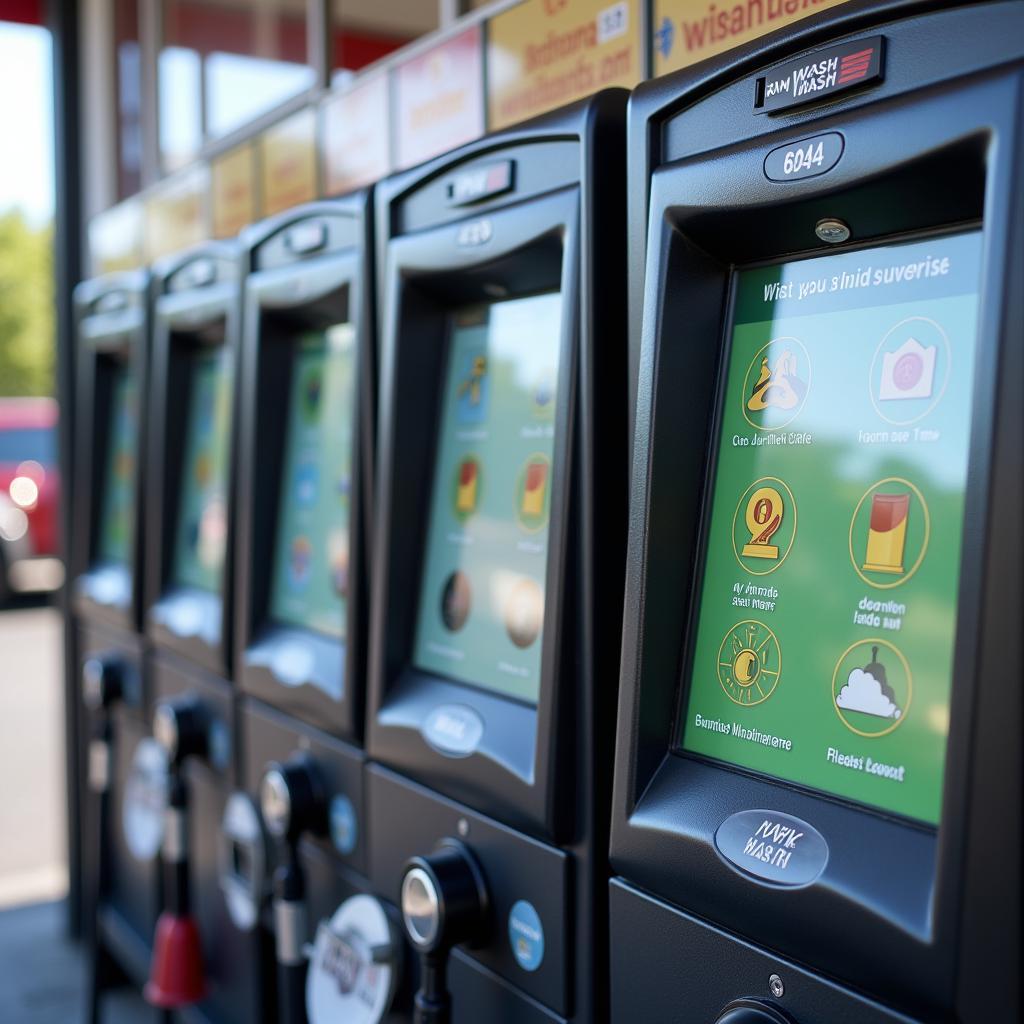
<point x="772" y="846"/>
<point x="526" y="935"/>
<point x="454" y="730"/>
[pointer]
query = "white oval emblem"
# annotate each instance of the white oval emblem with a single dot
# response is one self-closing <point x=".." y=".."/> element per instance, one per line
<point x="454" y="730"/>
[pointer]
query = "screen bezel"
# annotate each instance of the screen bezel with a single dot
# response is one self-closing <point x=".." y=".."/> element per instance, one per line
<point x="685" y="682"/>
<point x="118" y="335"/>
<point x="429" y="276"/>
<point x="187" y="320"/>
<point x="286" y="293"/>
<point x="897" y="931"/>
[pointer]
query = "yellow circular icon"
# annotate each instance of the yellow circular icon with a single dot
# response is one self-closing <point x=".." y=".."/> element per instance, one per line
<point x="769" y="517"/>
<point x="874" y="695"/>
<point x="749" y="663"/>
<point x="879" y="546"/>
<point x="776" y="384"/>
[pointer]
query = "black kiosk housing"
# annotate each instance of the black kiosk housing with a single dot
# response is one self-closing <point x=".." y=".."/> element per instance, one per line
<point x="112" y="333"/>
<point x="309" y="286"/>
<point x="887" y="918"/>
<point x="524" y="785"/>
<point x="191" y="486"/>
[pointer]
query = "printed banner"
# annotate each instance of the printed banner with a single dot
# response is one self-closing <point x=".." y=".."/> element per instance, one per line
<point x="234" y="191"/>
<point x="288" y="163"/>
<point x="356" y="135"/>
<point x="439" y="98"/>
<point x="176" y="213"/>
<point x="115" y="238"/>
<point x="546" y="53"/>
<point x="684" y="32"/>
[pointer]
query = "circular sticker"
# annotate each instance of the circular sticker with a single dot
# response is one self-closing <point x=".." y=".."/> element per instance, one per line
<point x="343" y="826"/>
<point x="353" y="971"/>
<point x="243" y="860"/>
<point x="749" y="663"/>
<point x="764" y="526"/>
<point x="889" y="533"/>
<point x="872" y="688"/>
<point x="145" y="800"/>
<point x="776" y="384"/>
<point x="526" y="935"/>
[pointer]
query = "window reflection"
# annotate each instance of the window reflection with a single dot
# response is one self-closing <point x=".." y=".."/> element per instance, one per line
<point x="366" y="30"/>
<point x="224" y="64"/>
<point x="129" y="97"/>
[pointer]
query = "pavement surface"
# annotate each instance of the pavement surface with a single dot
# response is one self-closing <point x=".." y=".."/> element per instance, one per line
<point x="33" y="855"/>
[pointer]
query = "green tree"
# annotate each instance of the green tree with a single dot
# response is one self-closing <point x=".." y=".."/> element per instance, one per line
<point x="26" y="307"/>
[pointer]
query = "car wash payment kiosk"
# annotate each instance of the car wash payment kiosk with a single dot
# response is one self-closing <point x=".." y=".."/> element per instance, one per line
<point x="124" y="767"/>
<point x="818" y="775"/>
<point x="501" y="500"/>
<point x="188" y="619"/>
<point x="294" y="851"/>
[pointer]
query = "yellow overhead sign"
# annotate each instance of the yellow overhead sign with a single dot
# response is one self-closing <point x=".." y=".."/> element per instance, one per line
<point x="288" y="163"/>
<point x="686" y="31"/>
<point x="176" y="213"/>
<point x="234" y="190"/>
<point x="546" y="53"/>
<point x="355" y="136"/>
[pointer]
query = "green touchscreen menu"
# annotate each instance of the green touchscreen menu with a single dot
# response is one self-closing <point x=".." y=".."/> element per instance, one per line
<point x="201" y="533"/>
<point x="310" y="584"/>
<point x="117" y="502"/>
<point x="823" y="648"/>
<point x="481" y="607"/>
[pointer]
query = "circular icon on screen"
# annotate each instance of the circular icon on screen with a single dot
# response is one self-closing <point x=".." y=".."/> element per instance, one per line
<point x="776" y="384"/>
<point x="300" y="561"/>
<point x="213" y="533"/>
<point x="764" y="526"/>
<point x="344" y="487"/>
<point x="307" y="483"/>
<point x="749" y="663"/>
<point x="524" y="612"/>
<point x="544" y="395"/>
<point x="202" y="469"/>
<point x="532" y="493"/>
<point x="466" y="487"/>
<point x="889" y="533"/>
<point x="337" y="557"/>
<point x="872" y="688"/>
<point x="456" y="600"/>
<point x="312" y="389"/>
<point x="910" y="370"/>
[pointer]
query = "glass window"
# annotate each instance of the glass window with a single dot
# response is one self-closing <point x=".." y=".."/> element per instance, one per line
<point x="224" y="64"/>
<point x="366" y="30"/>
<point x="129" y="97"/>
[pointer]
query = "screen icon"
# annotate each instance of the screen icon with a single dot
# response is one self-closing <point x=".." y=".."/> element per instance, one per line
<point x="467" y="487"/>
<point x="544" y="395"/>
<point x="300" y="560"/>
<point x="910" y="370"/>
<point x="872" y="687"/>
<point x="337" y="558"/>
<point x="749" y="663"/>
<point x="312" y="389"/>
<point x="456" y="600"/>
<point x="532" y="492"/>
<point x="889" y="533"/>
<point x="764" y="526"/>
<point x="307" y="483"/>
<point x="776" y="384"/>
<point x="473" y="389"/>
<point x="524" y="612"/>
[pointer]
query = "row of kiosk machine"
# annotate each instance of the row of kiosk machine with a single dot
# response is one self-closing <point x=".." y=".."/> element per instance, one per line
<point x="355" y="595"/>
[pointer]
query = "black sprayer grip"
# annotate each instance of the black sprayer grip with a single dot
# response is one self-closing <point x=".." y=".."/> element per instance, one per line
<point x="433" y="1004"/>
<point x="175" y="852"/>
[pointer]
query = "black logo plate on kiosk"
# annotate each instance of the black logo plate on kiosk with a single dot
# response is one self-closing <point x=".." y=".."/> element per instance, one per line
<point x="821" y="74"/>
<point x="772" y="846"/>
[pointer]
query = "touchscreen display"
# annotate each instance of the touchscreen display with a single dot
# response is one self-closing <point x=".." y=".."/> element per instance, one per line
<point x="310" y="583"/>
<point x="824" y="636"/>
<point x="117" y="502"/>
<point x="202" y="511"/>
<point x="481" y="605"/>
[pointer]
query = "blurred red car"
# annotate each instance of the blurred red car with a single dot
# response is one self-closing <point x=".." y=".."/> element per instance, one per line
<point x="29" y="493"/>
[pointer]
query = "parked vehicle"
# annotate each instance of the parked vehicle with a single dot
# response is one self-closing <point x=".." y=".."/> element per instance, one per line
<point x="29" y="495"/>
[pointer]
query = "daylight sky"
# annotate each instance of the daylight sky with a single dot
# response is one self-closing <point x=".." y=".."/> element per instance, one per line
<point x="26" y="121"/>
